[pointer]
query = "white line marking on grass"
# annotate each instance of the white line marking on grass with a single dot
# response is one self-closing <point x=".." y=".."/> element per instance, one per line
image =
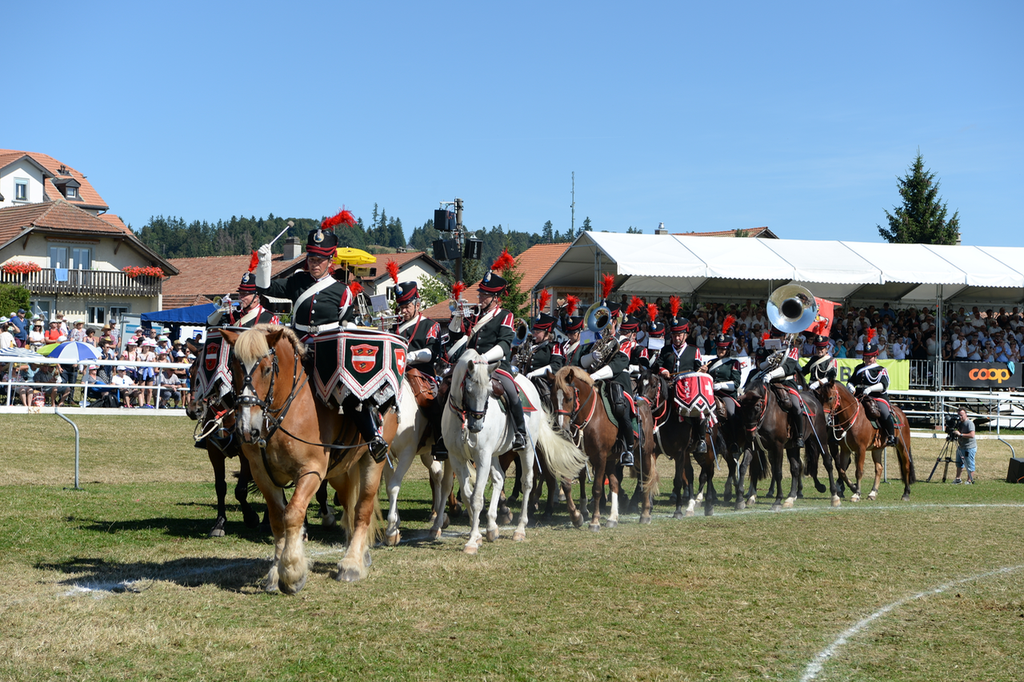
<point x="816" y="665"/>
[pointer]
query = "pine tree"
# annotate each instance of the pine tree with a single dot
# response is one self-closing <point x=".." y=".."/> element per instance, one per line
<point x="586" y="227"/>
<point x="922" y="217"/>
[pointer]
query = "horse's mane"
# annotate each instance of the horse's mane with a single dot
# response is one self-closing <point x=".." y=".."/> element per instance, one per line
<point x="575" y="373"/>
<point x="252" y="343"/>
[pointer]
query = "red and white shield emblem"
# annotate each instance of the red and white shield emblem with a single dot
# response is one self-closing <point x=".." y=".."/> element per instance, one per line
<point x="212" y="353"/>
<point x="400" y="361"/>
<point x="364" y="358"/>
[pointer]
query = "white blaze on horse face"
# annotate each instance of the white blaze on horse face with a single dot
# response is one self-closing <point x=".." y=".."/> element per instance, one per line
<point x="562" y="417"/>
<point x="245" y="417"/>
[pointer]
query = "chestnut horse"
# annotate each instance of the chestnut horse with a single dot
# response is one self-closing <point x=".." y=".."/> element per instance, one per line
<point x="852" y="429"/>
<point x="581" y="413"/>
<point x="290" y="437"/>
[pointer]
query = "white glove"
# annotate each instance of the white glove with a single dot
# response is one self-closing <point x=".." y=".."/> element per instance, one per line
<point x="587" y="361"/>
<point x="873" y="388"/>
<point x="822" y="382"/>
<point x="263" y="267"/>
<point x="814" y="385"/>
<point x="775" y="373"/>
<point x="495" y="354"/>
<point x="603" y="373"/>
<point x="634" y="369"/>
<point x="421" y="355"/>
<point x="539" y="371"/>
<point x="726" y="385"/>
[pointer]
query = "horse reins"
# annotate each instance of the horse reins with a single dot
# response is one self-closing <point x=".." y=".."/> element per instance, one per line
<point x="577" y="407"/>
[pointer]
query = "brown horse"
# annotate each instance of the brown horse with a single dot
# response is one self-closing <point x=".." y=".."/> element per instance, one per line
<point x="851" y="428"/>
<point x="291" y="437"/>
<point x="580" y="412"/>
<point x="216" y="424"/>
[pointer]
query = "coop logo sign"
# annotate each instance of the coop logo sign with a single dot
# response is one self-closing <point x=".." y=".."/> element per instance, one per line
<point x="986" y="374"/>
<point x="999" y="375"/>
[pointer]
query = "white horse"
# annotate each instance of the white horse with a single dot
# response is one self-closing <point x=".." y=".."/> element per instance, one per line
<point x="413" y="438"/>
<point x="476" y="430"/>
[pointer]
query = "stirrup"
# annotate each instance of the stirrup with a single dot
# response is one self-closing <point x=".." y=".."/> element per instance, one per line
<point x="702" y="447"/>
<point x="378" y="449"/>
<point x="890" y="441"/>
<point x="518" y="442"/>
<point x="626" y="458"/>
<point x="439" y="452"/>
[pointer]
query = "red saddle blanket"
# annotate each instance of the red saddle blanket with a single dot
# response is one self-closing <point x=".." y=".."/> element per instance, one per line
<point x="367" y="363"/>
<point x="695" y="395"/>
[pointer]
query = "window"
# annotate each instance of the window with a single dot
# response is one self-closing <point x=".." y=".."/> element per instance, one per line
<point x="21" y="190"/>
<point x="81" y="258"/>
<point x="72" y="193"/>
<point x="117" y="313"/>
<point x="71" y="257"/>
<point x="59" y="257"/>
<point x="97" y="314"/>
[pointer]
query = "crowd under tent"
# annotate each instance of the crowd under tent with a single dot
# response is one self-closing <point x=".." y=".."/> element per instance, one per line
<point x="728" y="268"/>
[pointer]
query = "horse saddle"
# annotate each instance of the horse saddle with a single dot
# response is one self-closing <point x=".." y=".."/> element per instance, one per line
<point x="871" y="410"/>
<point x="423" y="387"/>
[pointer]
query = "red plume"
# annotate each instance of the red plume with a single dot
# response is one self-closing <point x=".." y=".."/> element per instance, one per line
<point x="607" y="282"/>
<point x="545" y="298"/>
<point x="393" y="270"/>
<point x="819" y="327"/>
<point x="356" y="288"/>
<point x="727" y="324"/>
<point x="652" y="312"/>
<point x="871" y="333"/>
<point x="673" y="305"/>
<point x="457" y="290"/>
<point x="342" y="218"/>
<point x="571" y="304"/>
<point x="254" y="261"/>
<point x="766" y="336"/>
<point x="504" y="262"/>
<point x="635" y="304"/>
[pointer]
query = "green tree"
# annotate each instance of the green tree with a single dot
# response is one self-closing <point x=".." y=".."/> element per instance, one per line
<point x="585" y="227"/>
<point x="547" y="233"/>
<point x="634" y="230"/>
<point x="13" y="297"/>
<point x="922" y="217"/>
<point x="433" y="290"/>
<point x="514" y="299"/>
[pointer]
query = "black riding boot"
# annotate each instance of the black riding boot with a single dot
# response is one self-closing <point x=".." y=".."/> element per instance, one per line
<point x="366" y="421"/>
<point x="626" y="431"/>
<point x="439" y="452"/>
<point x="701" y="447"/>
<point x="889" y="426"/>
<point x="515" y="408"/>
<point x="796" y="424"/>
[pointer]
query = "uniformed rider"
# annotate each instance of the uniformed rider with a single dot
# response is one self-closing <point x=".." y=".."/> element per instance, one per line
<point x="726" y="372"/>
<point x="821" y="368"/>
<point x="678" y="357"/>
<point x="616" y="372"/>
<point x="572" y="349"/>
<point x="490" y="333"/>
<point x="247" y="313"/>
<point x="424" y="337"/>
<point x="870" y="379"/>
<point x="546" y="356"/>
<point x="784" y="377"/>
<point x="321" y="305"/>
<point x="637" y="354"/>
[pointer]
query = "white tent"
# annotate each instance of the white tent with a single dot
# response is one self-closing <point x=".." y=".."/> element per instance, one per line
<point x="730" y="268"/>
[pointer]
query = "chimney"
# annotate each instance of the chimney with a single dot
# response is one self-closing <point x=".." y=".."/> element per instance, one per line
<point x="661" y="229"/>
<point x="292" y="248"/>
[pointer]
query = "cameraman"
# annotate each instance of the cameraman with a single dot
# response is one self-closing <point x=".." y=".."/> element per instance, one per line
<point x="966" y="447"/>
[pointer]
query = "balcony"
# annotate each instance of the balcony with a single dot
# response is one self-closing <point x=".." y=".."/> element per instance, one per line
<point x="85" y="283"/>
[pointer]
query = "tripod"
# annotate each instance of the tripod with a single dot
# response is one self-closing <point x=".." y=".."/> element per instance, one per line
<point x="947" y="448"/>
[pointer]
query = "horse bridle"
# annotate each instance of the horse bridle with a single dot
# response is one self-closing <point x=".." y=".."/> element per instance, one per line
<point x="577" y="409"/>
<point x="836" y="407"/>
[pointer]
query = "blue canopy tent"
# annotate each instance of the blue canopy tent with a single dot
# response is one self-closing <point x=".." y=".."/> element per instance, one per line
<point x="193" y="315"/>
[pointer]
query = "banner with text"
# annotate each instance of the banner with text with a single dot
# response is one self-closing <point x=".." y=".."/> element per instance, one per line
<point x="898" y="371"/>
<point x="986" y="375"/>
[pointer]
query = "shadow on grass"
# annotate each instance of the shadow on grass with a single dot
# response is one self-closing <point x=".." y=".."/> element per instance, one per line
<point x="94" y="574"/>
<point x="178" y="528"/>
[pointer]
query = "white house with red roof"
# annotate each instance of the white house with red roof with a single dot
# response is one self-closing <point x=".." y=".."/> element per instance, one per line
<point x="58" y="241"/>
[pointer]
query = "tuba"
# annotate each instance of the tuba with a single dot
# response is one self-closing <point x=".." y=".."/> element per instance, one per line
<point x="599" y="319"/>
<point x="522" y="345"/>
<point x="791" y="309"/>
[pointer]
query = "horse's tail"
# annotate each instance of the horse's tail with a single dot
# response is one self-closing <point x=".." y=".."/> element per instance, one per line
<point x="652" y="480"/>
<point x="563" y="458"/>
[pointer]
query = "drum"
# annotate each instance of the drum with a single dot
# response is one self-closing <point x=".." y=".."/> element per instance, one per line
<point x="695" y="395"/>
<point x="367" y="363"/>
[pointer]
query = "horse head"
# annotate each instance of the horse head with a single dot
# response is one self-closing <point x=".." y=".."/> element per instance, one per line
<point x="473" y="379"/>
<point x="567" y="384"/>
<point x="259" y="357"/>
<point x="753" y="405"/>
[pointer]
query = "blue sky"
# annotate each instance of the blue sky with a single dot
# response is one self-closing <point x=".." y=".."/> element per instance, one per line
<point x="710" y="116"/>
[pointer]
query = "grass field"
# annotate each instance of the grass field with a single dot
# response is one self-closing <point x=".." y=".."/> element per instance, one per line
<point x="119" y="581"/>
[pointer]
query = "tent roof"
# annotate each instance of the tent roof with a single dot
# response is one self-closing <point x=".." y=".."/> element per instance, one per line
<point x="710" y="267"/>
<point x="193" y="315"/>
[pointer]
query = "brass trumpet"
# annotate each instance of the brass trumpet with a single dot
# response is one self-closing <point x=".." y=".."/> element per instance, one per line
<point x="464" y="308"/>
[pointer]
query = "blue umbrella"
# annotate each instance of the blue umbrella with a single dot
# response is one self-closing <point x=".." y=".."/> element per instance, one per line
<point x="74" y="351"/>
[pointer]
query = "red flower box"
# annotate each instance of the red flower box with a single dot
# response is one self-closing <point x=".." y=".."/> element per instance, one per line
<point x="17" y="267"/>
<point x="134" y="271"/>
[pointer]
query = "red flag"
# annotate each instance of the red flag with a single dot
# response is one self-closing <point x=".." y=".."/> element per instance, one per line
<point x="254" y="261"/>
<point x="826" y="312"/>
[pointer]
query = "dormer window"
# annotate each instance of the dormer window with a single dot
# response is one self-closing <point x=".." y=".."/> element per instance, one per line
<point x="72" y="192"/>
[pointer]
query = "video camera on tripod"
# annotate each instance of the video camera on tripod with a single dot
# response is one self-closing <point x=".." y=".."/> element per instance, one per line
<point x="946" y="454"/>
<point x="952" y="426"/>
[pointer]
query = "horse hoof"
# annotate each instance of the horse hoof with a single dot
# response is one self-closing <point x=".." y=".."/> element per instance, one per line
<point x="788" y="503"/>
<point x="689" y="513"/>
<point x="855" y="498"/>
<point x="677" y="515"/>
<point x="709" y="511"/>
<point x="504" y="519"/>
<point x="740" y="505"/>
<point x="776" y="507"/>
<point x="836" y="502"/>
<point x="444" y="523"/>
<point x="594" y="527"/>
<point x="392" y="539"/>
<point x="611" y="523"/>
<point x="906" y="497"/>
<point x="577" y="520"/>
<point x="492" y="535"/>
<point x="645" y="520"/>
<point x="470" y="548"/>
<point x="752" y="500"/>
<point x="270" y="585"/>
<point x="873" y="495"/>
<point x="217" y="533"/>
<point x="435" y="536"/>
<point x="518" y="536"/>
<point x="294" y="588"/>
<point x="350" y="575"/>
